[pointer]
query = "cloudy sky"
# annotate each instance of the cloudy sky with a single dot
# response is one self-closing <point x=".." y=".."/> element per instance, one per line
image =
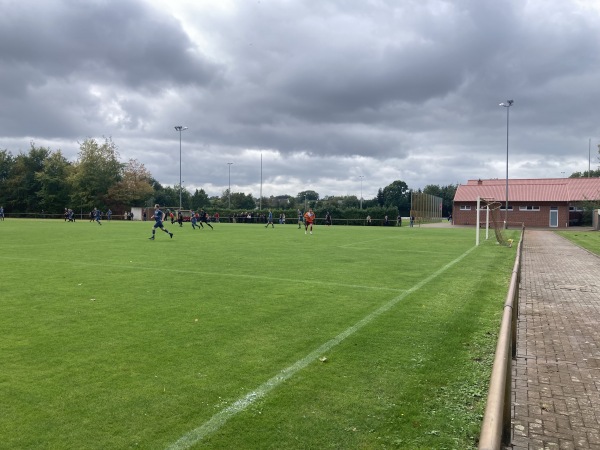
<point x="324" y="91"/>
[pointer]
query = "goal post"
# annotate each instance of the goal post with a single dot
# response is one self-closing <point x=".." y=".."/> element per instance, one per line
<point x="491" y="208"/>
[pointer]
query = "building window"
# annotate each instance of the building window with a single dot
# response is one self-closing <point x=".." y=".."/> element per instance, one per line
<point x="465" y="207"/>
<point x="529" y="208"/>
<point x="575" y="209"/>
<point x="503" y="207"/>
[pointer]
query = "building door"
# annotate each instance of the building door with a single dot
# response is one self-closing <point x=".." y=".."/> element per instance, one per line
<point x="554" y="216"/>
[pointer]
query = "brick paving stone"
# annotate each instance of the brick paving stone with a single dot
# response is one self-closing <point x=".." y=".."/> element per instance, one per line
<point x="556" y="373"/>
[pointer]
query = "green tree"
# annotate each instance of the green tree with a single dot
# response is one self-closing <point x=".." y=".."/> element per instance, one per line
<point x="397" y="195"/>
<point x="305" y="199"/>
<point x="97" y="169"/>
<point x="380" y="197"/>
<point x="22" y="184"/>
<point x="133" y="189"/>
<point x="7" y="162"/>
<point x="199" y="200"/>
<point x="586" y="174"/>
<point x="165" y="196"/>
<point x="239" y="200"/>
<point x="278" y="202"/>
<point x="55" y="190"/>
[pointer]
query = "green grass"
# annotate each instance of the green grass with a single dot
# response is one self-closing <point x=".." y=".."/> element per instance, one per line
<point x="589" y="240"/>
<point x="109" y="340"/>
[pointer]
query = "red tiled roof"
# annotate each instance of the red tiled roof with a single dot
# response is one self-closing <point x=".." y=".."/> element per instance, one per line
<point x="531" y="190"/>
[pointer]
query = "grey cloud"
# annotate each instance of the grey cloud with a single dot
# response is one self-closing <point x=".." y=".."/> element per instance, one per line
<point x="328" y="90"/>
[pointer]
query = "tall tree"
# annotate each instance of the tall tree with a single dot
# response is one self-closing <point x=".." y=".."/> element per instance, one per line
<point x="380" y="197"/>
<point x="397" y="194"/>
<point x="7" y="162"/>
<point x="239" y="200"/>
<point x="199" y="200"/>
<point x="134" y="188"/>
<point x="22" y="183"/>
<point x="55" y="189"/>
<point x="165" y="196"/>
<point x="307" y="195"/>
<point x="97" y="169"/>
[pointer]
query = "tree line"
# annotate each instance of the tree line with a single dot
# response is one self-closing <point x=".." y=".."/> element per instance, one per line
<point x="44" y="181"/>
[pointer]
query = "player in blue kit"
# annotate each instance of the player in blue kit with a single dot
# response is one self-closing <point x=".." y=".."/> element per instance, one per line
<point x="158" y="217"/>
<point x="97" y="215"/>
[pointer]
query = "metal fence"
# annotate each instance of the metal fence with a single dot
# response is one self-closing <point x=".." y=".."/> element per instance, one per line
<point x="496" y="426"/>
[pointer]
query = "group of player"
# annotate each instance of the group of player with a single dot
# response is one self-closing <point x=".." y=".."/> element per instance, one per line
<point x="197" y="219"/>
<point x="308" y="219"/>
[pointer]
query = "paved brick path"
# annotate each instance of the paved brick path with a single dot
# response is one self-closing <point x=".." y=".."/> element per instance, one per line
<point x="556" y="376"/>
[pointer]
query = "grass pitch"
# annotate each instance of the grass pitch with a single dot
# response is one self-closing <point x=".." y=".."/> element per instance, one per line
<point x="586" y="238"/>
<point x="245" y="337"/>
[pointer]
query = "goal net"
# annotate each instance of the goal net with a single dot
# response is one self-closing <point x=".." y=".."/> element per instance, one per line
<point x="490" y="208"/>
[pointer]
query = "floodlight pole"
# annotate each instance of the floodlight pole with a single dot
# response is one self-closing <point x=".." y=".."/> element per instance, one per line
<point x="361" y="178"/>
<point x="180" y="129"/>
<point x="229" y="191"/>
<point x="507" y="104"/>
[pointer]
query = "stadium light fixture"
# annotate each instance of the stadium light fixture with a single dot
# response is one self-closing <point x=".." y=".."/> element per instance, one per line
<point x="507" y="104"/>
<point x="180" y="129"/>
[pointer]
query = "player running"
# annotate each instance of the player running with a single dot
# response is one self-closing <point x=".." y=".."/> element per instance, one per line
<point x="309" y="218"/>
<point x="97" y="215"/>
<point x="158" y="217"/>
<point x="204" y="219"/>
<point x="194" y="220"/>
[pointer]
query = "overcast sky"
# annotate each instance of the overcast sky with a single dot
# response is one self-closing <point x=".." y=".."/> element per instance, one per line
<point x="326" y="91"/>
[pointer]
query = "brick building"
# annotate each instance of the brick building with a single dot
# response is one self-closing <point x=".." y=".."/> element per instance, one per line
<point x="544" y="202"/>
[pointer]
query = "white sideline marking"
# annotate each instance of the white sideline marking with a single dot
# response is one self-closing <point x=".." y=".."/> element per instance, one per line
<point x="220" y="418"/>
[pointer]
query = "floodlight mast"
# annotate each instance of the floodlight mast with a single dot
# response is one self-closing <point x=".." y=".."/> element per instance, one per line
<point x="229" y="191"/>
<point x="180" y="129"/>
<point x="507" y="104"/>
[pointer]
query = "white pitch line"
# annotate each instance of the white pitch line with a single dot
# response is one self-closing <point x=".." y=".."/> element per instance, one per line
<point x="220" y="418"/>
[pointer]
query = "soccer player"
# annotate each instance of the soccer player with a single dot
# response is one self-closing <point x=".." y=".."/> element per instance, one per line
<point x="300" y="218"/>
<point x="194" y="220"/>
<point x="158" y="217"/>
<point x="204" y="218"/>
<point x="309" y="218"/>
<point x="270" y="220"/>
<point x="97" y="214"/>
<point x="1" y="212"/>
